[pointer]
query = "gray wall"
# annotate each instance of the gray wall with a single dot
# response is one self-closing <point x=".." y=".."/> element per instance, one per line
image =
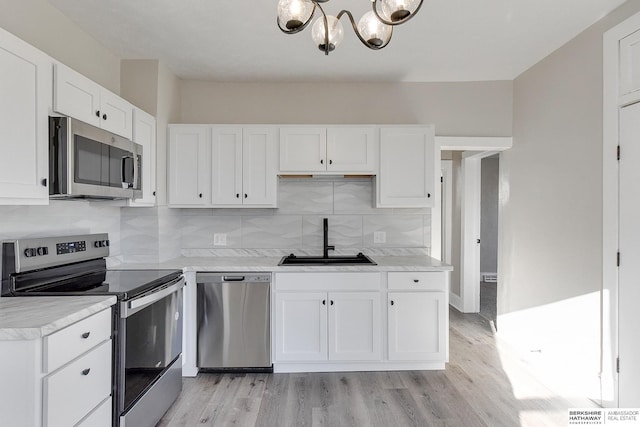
<point x="456" y="109"/>
<point x="39" y="23"/>
<point x="551" y="216"/>
<point x="489" y="214"/>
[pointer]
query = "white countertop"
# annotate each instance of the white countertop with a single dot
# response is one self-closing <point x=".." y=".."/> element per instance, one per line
<point x="270" y="264"/>
<point x="28" y="318"/>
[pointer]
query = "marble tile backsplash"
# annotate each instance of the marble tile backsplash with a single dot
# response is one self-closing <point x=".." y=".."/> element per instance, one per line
<point x="297" y="223"/>
<point x="61" y="218"/>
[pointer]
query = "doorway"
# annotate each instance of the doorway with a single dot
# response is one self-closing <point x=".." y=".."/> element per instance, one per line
<point x="489" y="237"/>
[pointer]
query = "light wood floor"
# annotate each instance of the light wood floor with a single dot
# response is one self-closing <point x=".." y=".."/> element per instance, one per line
<point x="482" y="386"/>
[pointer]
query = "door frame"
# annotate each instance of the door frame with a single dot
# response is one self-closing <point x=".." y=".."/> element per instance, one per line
<point x="612" y="102"/>
<point x="477" y="148"/>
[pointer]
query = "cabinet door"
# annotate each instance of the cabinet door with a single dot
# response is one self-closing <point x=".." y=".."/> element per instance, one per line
<point x="260" y="167"/>
<point x="115" y="114"/>
<point x="354" y="326"/>
<point x="144" y="133"/>
<point x="351" y="149"/>
<point x="408" y="167"/>
<point x="301" y="326"/>
<point x="416" y="322"/>
<point x="24" y="128"/>
<point x="189" y="157"/>
<point x="76" y="96"/>
<point x="630" y="64"/>
<point x="303" y="149"/>
<point x="226" y="165"/>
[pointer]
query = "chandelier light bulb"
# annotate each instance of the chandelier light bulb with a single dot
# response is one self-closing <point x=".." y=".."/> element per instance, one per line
<point x="398" y="10"/>
<point x="374" y="32"/>
<point x="336" y="33"/>
<point x="293" y="14"/>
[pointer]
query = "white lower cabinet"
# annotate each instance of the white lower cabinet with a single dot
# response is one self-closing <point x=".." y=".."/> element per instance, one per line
<point x="416" y="321"/>
<point x="337" y="321"/>
<point x="63" y="379"/>
<point x="319" y="326"/>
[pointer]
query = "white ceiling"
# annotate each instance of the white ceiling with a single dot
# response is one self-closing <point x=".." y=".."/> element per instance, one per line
<point x="238" y="40"/>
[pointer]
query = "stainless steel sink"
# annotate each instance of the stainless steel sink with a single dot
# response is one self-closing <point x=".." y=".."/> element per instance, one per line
<point x="359" y="259"/>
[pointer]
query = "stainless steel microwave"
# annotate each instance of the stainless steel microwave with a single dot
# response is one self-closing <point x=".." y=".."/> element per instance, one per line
<point x="88" y="162"/>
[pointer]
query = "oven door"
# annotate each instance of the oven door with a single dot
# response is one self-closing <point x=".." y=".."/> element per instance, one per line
<point x="150" y="340"/>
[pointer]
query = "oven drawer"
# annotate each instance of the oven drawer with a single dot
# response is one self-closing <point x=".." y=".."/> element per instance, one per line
<point x="75" y="390"/>
<point x="418" y="280"/>
<point x="69" y="343"/>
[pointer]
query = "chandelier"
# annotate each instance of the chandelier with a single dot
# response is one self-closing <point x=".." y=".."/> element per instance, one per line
<point x="374" y="29"/>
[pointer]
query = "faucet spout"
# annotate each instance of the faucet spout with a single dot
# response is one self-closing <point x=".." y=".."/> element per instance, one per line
<point x="326" y="248"/>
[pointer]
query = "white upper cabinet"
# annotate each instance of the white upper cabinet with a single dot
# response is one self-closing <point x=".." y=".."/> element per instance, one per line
<point x="144" y="133"/>
<point x="408" y="166"/>
<point x="260" y="166"/>
<point x="303" y="149"/>
<point x="244" y="168"/>
<point x="239" y="163"/>
<point x="346" y="149"/>
<point x="25" y="85"/>
<point x="351" y="149"/>
<point x="226" y="166"/>
<point x="189" y="166"/>
<point x="630" y="67"/>
<point x="76" y="96"/>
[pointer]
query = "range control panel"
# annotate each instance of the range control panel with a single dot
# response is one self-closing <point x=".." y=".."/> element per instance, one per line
<point x="31" y="254"/>
<point x="71" y="247"/>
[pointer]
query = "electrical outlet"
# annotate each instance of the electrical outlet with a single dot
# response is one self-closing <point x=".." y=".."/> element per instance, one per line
<point x="379" y="237"/>
<point x="219" y="239"/>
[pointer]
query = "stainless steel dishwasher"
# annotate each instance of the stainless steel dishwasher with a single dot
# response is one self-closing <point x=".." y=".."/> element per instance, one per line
<point x="233" y="321"/>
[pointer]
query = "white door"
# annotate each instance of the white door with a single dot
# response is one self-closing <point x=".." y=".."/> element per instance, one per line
<point x="189" y="166"/>
<point x="301" y="326"/>
<point x="354" y="326"/>
<point x="629" y="271"/>
<point x="351" y="149"/>
<point x="115" y="114"/>
<point x="259" y="166"/>
<point x="408" y="167"/>
<point x="76" y="96"/>
<point x="25" y="86"/>
<point x="226" y="165"/>
<point x="303" y="149"/>
<point x="144" y="133"/>
<point x="415" y="320"/>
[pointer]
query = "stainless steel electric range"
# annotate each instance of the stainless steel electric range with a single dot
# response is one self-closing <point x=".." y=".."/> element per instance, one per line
<point x="147" y="320"/>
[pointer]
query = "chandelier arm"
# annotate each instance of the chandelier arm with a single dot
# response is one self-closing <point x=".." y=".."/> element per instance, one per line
<point x="303" y="26"/>
<point x="402" y="21"/>
<point x="355" y="30"/>
<point x="326" y="28"/>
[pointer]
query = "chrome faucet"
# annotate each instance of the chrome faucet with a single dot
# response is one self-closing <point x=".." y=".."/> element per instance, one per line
<point x="326" y="248"/>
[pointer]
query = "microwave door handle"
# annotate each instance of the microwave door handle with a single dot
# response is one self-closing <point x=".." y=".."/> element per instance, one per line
<point x="136" y="172"/>
<point x="127" y="178"/>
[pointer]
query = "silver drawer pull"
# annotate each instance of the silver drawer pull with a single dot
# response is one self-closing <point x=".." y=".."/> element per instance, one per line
<point x="86" y="371"/>
<point x="86" y="335"/>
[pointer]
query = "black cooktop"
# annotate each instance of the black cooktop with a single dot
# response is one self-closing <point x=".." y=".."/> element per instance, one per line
<point x="124" y="284"/>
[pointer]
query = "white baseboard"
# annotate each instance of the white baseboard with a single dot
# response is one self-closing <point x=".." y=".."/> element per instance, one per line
<point x="455" y="301"/>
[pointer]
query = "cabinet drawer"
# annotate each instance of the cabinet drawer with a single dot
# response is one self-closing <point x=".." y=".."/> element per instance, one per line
<point x="73" y="392"/>
<point x="327" y="281"/>
<point x="68" y="343"/>
<point x="419" y="280"/>
<point x="100" y="417"/>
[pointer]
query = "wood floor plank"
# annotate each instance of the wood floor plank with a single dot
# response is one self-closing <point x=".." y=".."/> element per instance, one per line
<point x="484" y="384"/>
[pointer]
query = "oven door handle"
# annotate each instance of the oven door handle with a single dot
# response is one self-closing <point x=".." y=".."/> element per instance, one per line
<point x="138" y="303"/>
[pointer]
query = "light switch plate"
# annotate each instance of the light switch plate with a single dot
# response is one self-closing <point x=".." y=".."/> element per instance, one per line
<point x="379" y="237"/>
<point x="219" y="239"/>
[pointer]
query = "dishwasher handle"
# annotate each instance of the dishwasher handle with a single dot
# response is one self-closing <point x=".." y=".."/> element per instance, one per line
<point x="233" y="278"/>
